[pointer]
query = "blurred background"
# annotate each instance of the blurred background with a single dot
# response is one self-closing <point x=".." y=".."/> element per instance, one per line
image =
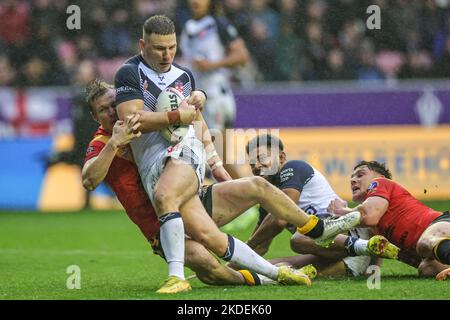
<point x="336" y="91"/>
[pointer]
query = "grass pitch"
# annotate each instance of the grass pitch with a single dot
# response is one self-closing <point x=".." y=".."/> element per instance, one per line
<point x="117" y="263"/>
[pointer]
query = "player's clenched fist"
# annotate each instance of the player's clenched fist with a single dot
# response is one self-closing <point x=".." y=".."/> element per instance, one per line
<point x="197" y="99"/>
<point x="338" y="207"/>
<point x="188" y="113"/>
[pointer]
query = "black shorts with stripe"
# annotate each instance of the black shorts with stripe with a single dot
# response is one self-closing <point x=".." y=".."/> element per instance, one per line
<point x="206" y="198"/>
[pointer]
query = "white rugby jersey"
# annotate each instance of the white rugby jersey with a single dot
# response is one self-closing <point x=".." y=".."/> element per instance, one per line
<point x="137" y="80"/>
<point x="208" y="38"/>
<point x="316" y="192"/>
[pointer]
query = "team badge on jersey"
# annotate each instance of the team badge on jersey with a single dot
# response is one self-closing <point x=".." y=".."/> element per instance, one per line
<point x="179" y="86"/>
<point x="89" y="150"/>
<point x="372" y="187"/>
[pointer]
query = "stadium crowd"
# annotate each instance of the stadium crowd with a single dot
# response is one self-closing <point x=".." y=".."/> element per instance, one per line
<point x="289" y="40"/>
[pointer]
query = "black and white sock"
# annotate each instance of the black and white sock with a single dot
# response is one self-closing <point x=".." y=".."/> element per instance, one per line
<point x="241" y="254"/>
<point x="356" y="246"/>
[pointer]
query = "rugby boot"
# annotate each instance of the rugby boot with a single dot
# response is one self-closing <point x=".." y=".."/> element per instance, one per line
<point x="332" y="227"/>
<point x="287" y="275"/>
<point x="309" y="270"/>
<point x="380" y="246"/>
<point x="173" y="284"/>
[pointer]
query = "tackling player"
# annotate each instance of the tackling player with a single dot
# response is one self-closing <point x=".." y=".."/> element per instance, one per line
<point x="309" y="189"/>
<point x="109" y="158"/>
<point x="422" y="233"/>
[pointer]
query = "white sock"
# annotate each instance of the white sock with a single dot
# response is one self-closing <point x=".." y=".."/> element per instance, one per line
<point x="241" y="254"/>
<point x="171" y="236"/>
<point x="361" y="247"/>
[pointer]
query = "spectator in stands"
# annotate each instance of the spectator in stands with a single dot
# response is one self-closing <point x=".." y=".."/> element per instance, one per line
<point x="316" y="51"/>
<point x="83" y="125"/>
<point x="439" y="45"/>
<point x="114" y="37"/>
<point x="260" y="11"/>
<point x="14" y="22"/>
<point x="418" y="65"/>
<point x="34" y="72"/>
<point x="263" y="50"/>
<point x="337" y="69"/>
<point x="69" y="61"/>
<point x="442" y="66"/>
<point x="408" y="27"/>
<point x="289" y="54"/>
<point x="366" y="69"/>
<point x="7" y="73"/>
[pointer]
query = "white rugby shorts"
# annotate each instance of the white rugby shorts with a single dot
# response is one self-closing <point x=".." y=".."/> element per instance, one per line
<point x="190" y="150"/>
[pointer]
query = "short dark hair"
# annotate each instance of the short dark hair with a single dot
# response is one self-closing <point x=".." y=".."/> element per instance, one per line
<point x="94" y="90"/>
<point x="158" y="24"/>
<point x="264" y="140"/>
<point x="375" y="166"/>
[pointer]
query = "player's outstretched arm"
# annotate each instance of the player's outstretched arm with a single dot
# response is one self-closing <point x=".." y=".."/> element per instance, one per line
<point x="372" y="209"/>
<point x="96" y="169"/>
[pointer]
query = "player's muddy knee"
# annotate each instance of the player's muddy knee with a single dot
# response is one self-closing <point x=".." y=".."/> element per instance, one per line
<point x="424" y="247"/>
<point x="164" y="201"/>
<point x="298" y="243"/>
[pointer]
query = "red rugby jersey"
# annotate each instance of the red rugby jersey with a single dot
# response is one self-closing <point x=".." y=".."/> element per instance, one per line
<point x="405" y="219"/>
<point x="123" y="178"/>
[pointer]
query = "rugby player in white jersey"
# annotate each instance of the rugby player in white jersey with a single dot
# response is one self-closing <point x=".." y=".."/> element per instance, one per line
<point x="172" y="175"/>
<point x="309" y="189"/>
<point x="210" y="47"/>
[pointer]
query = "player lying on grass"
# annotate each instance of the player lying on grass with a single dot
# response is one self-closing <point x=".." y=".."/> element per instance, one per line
<point x="309" y="189"/>
<point x="422" y="234"/>
<point x="105" y="161"/>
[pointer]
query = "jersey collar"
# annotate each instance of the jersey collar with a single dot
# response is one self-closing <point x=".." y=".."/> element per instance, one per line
<point x="141" y="58"/>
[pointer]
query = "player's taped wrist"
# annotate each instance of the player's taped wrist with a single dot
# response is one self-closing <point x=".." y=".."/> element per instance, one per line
<point x="216" y="165"/>
<point x="174" y="116"/>
<point x="210" y="150"/>
<point x="211" y="154"/>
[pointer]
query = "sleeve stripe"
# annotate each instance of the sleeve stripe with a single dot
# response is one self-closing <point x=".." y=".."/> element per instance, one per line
<point x="101" y="138"/>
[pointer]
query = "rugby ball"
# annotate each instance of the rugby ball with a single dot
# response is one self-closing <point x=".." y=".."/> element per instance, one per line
<point x="169" y="100"/>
